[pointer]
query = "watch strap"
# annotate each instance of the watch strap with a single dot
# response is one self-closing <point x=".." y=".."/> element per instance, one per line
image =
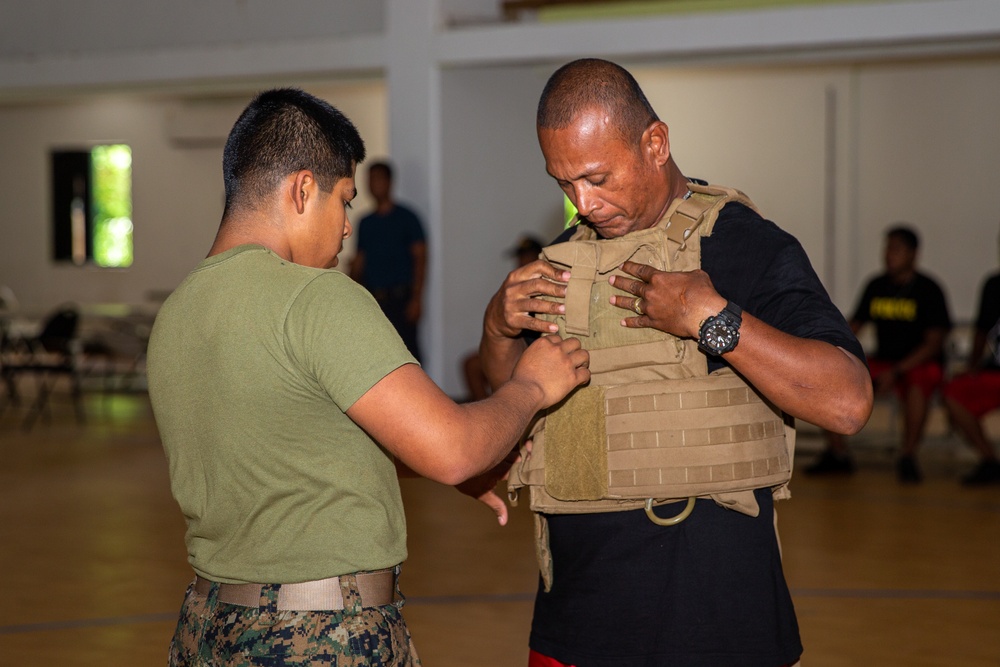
<point x="734" y="310"/>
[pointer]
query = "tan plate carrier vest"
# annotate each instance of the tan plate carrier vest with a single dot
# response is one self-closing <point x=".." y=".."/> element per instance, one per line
<point x="652" y="426"/>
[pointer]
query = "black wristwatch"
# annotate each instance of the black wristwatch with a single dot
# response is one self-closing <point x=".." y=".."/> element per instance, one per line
<point x="720" y="333"/>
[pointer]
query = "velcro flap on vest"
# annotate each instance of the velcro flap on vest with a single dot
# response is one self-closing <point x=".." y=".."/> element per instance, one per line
<point x="591" y="262"/>
<point x="576" y="462"/>
<point x="582" y="260"/>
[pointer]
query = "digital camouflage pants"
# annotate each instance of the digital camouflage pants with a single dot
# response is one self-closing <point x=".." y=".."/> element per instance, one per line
<point x="214" y="634"/>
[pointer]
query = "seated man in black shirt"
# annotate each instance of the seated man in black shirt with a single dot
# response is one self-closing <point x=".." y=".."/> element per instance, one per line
<point x="709" y="591"/>
<point x="911" y="321"/>
<point x="975" y="393"/>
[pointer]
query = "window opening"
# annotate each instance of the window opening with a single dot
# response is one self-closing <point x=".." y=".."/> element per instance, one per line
<point x="92" y="206"/>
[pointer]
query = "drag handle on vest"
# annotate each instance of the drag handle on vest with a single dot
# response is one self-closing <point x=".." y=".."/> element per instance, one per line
<point x="672" y="521"/>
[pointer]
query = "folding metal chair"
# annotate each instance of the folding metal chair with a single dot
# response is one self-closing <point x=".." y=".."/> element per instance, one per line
<point x="54" y="352"/>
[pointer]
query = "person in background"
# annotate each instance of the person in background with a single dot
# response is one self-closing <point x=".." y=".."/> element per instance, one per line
<point x="526" y="251"/>
<point x="391" y="257"/>
<point x="618" y="590"/>
<point x="972" y="395"/>
<point x="910" y="315"/>
<point x="285" y="402"/>
<point x="478" y="387"/>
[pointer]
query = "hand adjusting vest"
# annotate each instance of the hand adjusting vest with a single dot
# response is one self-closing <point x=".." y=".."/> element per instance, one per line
<point x="652" y="426"/>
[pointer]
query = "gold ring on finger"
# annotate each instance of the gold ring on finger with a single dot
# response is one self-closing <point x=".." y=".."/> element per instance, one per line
<point x="637" y="307"/>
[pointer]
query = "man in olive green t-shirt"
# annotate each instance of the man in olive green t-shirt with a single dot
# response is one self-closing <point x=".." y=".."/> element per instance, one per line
<point x="284" y="398"/>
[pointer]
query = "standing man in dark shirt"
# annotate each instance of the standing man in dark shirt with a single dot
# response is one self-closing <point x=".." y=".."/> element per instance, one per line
<point x="970" y="396"/>
<point x="910" y="315"/>
<point x="391" y="257"/>
<point x="709" y="591"/>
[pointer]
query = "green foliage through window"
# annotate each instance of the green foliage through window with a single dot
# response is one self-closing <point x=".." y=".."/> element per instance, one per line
<point x="92" y="206"/>
<point x="111" y="205"/>
<point x="568" y="211"/>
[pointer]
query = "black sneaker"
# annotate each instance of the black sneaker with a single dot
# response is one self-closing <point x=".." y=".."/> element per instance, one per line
<point x="831" y="463"/>
<point x="987" y="472"/>
<point x="907" y="471"/>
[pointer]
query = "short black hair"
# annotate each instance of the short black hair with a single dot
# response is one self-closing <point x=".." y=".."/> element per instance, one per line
<point x="382" y="166"/>
<point x="282" y="131"/>
<point x="904" y="233"/>
<point x="526" y="245"/>
<point x="591" y="82"/>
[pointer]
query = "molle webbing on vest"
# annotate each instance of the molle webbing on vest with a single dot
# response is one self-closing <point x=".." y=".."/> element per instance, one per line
<point x="678" y="438"/>
<point x="720" y="436"/>
<point x="665" y="440"/>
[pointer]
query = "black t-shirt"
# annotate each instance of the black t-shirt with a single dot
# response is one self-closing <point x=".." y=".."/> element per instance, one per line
<point x="988" y="319"/>
<point x="709" y="592"/>
<point x="902" y="314"/>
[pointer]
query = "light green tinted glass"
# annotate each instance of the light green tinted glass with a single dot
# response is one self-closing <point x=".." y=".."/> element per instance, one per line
<point x="568" y="212"/>
<point x="111" y="204"/>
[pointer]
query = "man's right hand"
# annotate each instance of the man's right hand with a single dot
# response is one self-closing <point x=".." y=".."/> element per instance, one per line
<point x="556" y="366"/>
<point x="511" y="309"/>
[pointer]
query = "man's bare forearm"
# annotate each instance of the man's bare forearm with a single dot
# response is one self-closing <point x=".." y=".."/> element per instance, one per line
<point x="809" y="379"/>
<point x="499" y="355"/>
<point x="448" y="442"/>
<point x="497" y="423"/>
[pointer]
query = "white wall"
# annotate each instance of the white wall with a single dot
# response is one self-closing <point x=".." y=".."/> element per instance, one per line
<point x="469" y="12"/>
<point x="762" y="131"/>
<point x="47" y="27"/>
<point x="495" y="189"/>
<point x="178" y="193"/>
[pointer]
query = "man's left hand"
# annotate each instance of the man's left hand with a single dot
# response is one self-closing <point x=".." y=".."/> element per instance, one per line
<point x="675" y="302"/>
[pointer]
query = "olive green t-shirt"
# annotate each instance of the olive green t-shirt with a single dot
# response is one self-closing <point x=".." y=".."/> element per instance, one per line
<point x="253" y="363"/>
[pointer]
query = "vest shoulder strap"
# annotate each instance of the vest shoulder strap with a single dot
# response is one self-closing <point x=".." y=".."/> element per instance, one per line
<point x="700" y="210"/>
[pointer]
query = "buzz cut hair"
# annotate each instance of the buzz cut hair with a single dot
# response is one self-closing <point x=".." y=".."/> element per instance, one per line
<point x="282" y="131"/>
<point x="591" y="82"/>
<point x="906" y="234"/>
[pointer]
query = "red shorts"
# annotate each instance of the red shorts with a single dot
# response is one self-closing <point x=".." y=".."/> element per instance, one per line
<point x="536" y="659"/>
<point x="926" y="376"/>
<point x="979" y="393"/>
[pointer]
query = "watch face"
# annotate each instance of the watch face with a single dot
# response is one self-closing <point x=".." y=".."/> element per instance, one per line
<point x="719" y="335"/>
